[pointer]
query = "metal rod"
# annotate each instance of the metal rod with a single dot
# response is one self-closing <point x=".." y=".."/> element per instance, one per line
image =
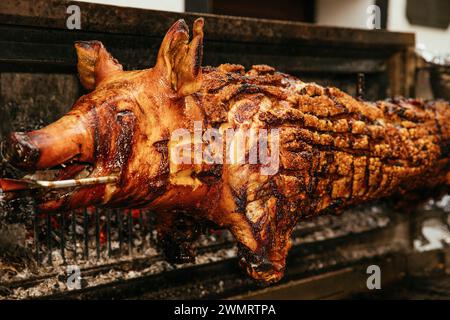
<point x="49" y="239"/>
<point x="97" y="232"/>
<point x="108" y="232"/>
<point x="8" y="185"/>
<point x="36" y="237"/>
<point x="142" y="227"/>
<point x="85" y="234"/>
<point x="74" y="234"/>
<point x="62" y="236"/>
<point x="130" y="232"/>
<point x="119" y="226"/>
<point x="150" y="239"/>
<point x="360" y="85"/>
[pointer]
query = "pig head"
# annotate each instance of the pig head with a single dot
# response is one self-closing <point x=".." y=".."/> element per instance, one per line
<point x="120" y="128"/>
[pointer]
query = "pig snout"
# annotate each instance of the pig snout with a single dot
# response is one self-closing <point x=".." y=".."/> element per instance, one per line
<point x="66" y="139"/>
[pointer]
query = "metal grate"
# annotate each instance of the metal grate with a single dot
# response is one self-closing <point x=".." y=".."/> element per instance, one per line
<point x="90" y="233"/>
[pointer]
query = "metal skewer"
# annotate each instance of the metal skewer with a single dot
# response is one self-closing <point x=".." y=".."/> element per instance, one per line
<point x="8" y="185"/>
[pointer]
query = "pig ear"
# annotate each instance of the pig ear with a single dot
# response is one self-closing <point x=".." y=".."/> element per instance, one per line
<point x="180" y="60"/>
<point x="95" y="63"/>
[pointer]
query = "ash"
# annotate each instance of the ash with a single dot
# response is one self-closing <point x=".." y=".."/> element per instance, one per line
<point x="107" y="246"/>
<point x="115" y="246"/>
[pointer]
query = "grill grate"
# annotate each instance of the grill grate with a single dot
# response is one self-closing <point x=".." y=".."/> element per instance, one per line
<point x="73" y="238"/>
<point x="90" y="232"/>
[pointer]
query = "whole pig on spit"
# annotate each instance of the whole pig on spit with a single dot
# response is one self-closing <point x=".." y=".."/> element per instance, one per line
<point x="254" y="151"/>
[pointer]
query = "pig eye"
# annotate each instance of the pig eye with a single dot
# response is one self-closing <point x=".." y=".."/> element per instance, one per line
<point x="124" y="117"/>
<point x="123" y="113"/>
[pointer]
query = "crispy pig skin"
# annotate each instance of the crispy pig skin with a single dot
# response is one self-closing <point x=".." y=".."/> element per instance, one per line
<point x="335" y="151"/>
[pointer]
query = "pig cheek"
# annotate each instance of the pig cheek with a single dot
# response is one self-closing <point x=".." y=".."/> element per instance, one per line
<point x="103" y="133"/>
<point x="114" y="142"/>
<point x="125" y="140"/>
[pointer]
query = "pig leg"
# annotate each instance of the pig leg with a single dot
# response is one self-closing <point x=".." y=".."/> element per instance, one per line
<point x="263" y="253"/>
<point x="261" y="219"/>
<point x="175" y="232"/>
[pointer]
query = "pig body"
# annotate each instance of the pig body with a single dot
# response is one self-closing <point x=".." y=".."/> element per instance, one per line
<point x="330" y="150"/>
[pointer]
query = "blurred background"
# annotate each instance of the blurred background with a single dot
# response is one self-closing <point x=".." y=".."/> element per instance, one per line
<point x="429" y="20"/>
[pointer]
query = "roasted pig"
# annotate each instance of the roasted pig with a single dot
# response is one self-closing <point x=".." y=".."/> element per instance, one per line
<point x="253" y="150"/>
